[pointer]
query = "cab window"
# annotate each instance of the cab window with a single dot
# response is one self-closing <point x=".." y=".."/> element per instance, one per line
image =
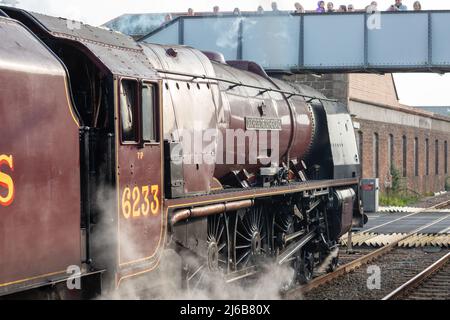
<point x="128" y="110"/>
<point x="148" y="113"/>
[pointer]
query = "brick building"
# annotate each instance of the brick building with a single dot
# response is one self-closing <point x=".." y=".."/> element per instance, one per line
<point x="413" y="141"/>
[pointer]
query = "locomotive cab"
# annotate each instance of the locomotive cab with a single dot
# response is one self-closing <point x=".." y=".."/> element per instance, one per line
<point x="117" y="104"/>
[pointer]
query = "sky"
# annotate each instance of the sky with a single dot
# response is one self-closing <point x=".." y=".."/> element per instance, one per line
<point x="413" y="89"/>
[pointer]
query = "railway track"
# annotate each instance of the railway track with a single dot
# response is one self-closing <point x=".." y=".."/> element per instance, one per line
<point x="431" y="283"/>
<point x="361" y="260"/>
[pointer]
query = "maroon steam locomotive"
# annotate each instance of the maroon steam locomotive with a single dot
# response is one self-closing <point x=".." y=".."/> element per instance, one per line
<point x="100" y="167"/>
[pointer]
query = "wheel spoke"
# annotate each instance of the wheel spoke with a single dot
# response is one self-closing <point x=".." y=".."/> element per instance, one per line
<point x="214" y="224"/>
<point x="240" y="234"/>
<point x="243" y="257"/>
<point x="248" y="226"/>
<point x="220" y="234"/>
<point x="199" y="280"/>
<point x="242" y="226"/>
<point x="195" y="273"/>
<point x="217" y="235"/>
<point x="252" y="236"/>
<point x="253" y="217"/>
<point x="278" y="226"/>
<point x="247" y="260"/>
<point x="223" y="245"/>
<point x="260" y="218"/>
<point x="217" y="227"/>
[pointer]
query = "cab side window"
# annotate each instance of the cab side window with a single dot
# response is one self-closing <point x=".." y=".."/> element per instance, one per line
<point x="128" y="110"/>
<point x="149" y="133"/>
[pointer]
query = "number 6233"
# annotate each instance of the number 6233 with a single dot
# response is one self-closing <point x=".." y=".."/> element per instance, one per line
<point x="140" y="201"/>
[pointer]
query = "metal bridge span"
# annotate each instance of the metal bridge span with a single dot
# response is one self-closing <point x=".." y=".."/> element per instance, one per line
<point x="322" y="43"/>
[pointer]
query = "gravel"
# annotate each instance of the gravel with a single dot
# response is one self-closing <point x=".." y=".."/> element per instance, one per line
<point x="396" y="268"/>
<point x="435" y="287"/>
<point x="431" y="201"/>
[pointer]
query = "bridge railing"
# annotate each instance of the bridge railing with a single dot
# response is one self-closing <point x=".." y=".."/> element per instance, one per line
<point x="338" y="42"/>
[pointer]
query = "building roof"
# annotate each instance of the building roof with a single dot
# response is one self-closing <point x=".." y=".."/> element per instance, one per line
<point x="443" y="110"/>
<point x="380" y="90"/>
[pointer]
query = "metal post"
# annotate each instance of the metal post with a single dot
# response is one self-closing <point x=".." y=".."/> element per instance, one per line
<point x="240" y="48"/>
<point x="86" y="189"/>
<point x="349" y="242"/>
<point x="110" y="159"/>
<point x="430" y="40"/>
<point x="181" y="31"/>
<point x="301" y="44"/>
<point x="366" y="42"/>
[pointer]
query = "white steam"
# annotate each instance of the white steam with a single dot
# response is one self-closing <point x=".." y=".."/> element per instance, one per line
<point x="137" y="24"/>
<point x="165" y="281"/>
<point x="328" y="261"/>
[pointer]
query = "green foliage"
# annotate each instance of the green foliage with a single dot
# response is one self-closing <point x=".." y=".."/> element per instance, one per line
<point x="397" y="200"/>
<point x="398" y="194"/>
<point x="396" y="179"/>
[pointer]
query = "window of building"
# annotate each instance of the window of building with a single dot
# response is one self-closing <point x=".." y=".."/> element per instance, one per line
<point x="445" y="157"/>
<point x="128" y="110"/>
<point x="416" y="157"/>
<point x="405" y="164"/>
<point x="427" y="155"/>
<point x="390" y="153"/>
<point x="376" y="156"/>
<point x="436" y="160"/>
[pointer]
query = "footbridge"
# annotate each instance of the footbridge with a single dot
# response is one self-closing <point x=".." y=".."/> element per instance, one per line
<point x="321" y="43"/>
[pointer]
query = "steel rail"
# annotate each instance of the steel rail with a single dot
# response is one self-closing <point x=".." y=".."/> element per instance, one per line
<point x="347" y="268"/>
<point x="419" y="278"/>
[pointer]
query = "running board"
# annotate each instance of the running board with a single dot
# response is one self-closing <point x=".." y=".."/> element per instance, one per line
<point x="294" y="247"/>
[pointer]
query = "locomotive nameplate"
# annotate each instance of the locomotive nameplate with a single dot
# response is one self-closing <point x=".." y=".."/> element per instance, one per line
<point x="271" y="124"/>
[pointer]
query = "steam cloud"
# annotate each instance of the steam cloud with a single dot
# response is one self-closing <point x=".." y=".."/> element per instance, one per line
<point x="165" y="281"/>
<point x="267" y="285"/>
<point x="138" y="24"/>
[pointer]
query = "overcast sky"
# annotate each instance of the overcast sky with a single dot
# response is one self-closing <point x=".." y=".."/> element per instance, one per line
<point x="413" y="89"/>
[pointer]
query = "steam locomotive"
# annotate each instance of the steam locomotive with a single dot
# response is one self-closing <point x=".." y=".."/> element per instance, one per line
<point x="102" y="170"/>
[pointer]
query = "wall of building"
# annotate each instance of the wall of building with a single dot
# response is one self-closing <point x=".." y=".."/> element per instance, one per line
<point x="331" y="85"/>
<point x="422" y="182"/>
<point x="373" y="102"/>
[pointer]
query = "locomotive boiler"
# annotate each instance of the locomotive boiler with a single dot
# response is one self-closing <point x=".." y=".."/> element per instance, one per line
<point x="113" y="151"/>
